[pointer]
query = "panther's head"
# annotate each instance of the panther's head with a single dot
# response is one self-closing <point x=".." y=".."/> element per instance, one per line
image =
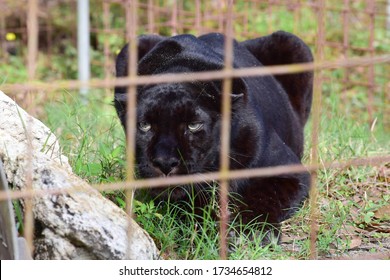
<point x="177" y="131"/>
<point x="178" y="128"/>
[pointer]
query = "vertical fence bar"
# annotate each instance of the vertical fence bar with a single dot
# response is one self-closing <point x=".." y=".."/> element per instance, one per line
<point x="23" y="31"/>
<point x="371" y="67"/>
<point x="83" y="44"/>
<point x="297" y="15"/>
<point x="3" y="46"/>
<point x="32" y="30"/>
<point x="174" y="18"/>
<point x="106" y="46"/>
<point x="246" y="18"/>
<point x="388" y="16"/>
<point x="49" y="31"/>
<point x="221" y="6"/>
<point x="255" y="9"/>
<point x="32" y="43"/>
<point x="225" y="130"/>
<point x="181" y="17"/>
<point x="386" y="117"/>
<point x="131" y="29"/>
<point x="269" y="18"/>
<point x="151" y="25"/>
<point x="316" y="113"/>
<point x="346" y="14"/>
<point x="198" y="17"/>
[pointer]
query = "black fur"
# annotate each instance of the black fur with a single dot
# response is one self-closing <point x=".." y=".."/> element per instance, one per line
<point x="268" y="117"/>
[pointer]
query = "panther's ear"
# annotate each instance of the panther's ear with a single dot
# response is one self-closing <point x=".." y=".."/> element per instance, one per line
<point x="145" y="44"/>
<point x="284" y="48"/>
<point x="161" y="54"/>
<point x="120" y="104"/>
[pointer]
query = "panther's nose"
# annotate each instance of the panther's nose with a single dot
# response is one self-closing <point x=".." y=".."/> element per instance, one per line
<point x="166" y="165"/>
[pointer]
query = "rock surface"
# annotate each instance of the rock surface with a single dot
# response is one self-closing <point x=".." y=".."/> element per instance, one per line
<point x="78" y="225"/>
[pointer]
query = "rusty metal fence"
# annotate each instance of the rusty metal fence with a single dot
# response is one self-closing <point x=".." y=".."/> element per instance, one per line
<point x="365" y="65"/>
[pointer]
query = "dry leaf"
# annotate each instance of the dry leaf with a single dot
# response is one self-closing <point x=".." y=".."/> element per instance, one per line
<point x="356" y="241"/>
<point x="379" y="227"/>
<point x="290" y="239"/>
<point x="384" y="173"/>
<point x="383" y="213"/>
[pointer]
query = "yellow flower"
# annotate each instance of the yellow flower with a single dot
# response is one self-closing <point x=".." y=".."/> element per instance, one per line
<point x="10" y="36"/>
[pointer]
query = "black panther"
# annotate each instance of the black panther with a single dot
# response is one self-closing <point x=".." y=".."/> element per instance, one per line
<point x="179" y="123"/>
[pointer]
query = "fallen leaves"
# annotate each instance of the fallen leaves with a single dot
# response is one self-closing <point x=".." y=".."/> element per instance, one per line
<point x="383" y="213"/>
<point x="355" y="214"/>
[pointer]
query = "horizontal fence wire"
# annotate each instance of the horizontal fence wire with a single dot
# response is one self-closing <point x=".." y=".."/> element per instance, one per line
<point x="201" y="76"/>
<point x="205" y="177"/>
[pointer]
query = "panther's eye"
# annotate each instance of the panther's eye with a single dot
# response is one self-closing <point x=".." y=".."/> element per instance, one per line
<point x="196" y="126"/>
<point x="144" y="126"/>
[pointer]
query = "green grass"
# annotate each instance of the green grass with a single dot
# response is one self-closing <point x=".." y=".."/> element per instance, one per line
<point x="92" y="138"/>
<point x="90" y="134"/>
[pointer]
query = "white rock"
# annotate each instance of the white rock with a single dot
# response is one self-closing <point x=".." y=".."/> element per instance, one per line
<point x="78" y="225"/>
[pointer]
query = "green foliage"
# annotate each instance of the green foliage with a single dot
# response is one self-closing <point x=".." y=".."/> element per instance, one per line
<point x="60" y="68"/>
<point x="146" y="211"/>
<point x="13" y="71"/>
<point x="90" y="135"/>
<point x="18" y="211"/>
